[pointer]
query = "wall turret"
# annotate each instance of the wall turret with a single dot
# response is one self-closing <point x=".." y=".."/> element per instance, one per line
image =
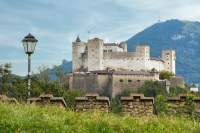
<point x="78" y="48"/>
<point x="124" y="46"/>
<point x="169" y="58"/>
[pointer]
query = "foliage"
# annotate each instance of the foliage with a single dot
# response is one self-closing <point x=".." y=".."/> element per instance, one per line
<point x="152" y="89"/>
<point x="69" y="96"/>
<point x="165" y="75"/>
<point x="190" y="105"/>
<point x="174" y="91"/>
<point x="30" y="118"/>
<point x="116" y="105"/>
<point x="160" y="104"/>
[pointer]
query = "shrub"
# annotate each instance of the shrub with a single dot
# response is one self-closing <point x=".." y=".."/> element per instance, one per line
<point x="160" y="104"/>
<point x="165" y="75"/>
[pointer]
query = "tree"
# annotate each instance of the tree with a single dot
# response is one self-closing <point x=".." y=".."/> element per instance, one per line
<point x="174" y="91"/>
<point x="152" y="89"/>
<point x="166" y="75"/>
<point x="43" y="73"/>
<point x="6" y="78"/>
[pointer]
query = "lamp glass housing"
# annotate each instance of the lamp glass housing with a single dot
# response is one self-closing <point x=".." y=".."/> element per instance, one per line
<point x="29" y="43"/>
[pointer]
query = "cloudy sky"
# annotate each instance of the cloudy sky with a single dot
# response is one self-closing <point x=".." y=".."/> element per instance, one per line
<point x="56" y="23"/>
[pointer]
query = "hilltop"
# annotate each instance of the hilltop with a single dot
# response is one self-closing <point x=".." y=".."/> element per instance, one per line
<point x="182" y="36"/>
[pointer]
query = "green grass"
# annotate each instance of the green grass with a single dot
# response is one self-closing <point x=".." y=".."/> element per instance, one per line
<point x="29" y="118"/>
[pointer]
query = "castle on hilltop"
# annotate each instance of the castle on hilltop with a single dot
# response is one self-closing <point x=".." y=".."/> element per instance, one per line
<point x="110" y="69"/>
<point x="96" y="55"/>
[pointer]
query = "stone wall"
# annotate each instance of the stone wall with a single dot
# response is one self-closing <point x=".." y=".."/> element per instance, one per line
<point x="180" y="105"/>
<point x="126" y="80"/>
<point x="4" y="98"/>
<point x="47" y="99"/>
<point x="177" y="82"/>
<point x="92" y="102"/>
<point x="90" y="82"/>
<point x="137" y="105"/>
<point x="109" y="82"/>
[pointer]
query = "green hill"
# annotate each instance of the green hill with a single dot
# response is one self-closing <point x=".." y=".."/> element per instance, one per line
<point x="182" y="36"/>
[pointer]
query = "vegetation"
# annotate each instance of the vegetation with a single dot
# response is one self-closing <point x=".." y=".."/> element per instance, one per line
<point x="166" y="75"/>
<point x="161" y="104"/>
<point x="16" y="86"/>
<point x="30" y="118"/>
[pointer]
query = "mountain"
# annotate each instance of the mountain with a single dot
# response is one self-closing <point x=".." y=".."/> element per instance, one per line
<point x="182" y="36"/>
<point x="65" y="67"/>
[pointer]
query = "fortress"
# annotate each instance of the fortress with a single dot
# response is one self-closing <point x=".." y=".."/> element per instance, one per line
<point x="97" y="55"/>
<point x="109" y="68"/>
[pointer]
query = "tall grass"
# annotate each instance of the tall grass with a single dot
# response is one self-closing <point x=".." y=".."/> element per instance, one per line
<point x="29" y="118"/>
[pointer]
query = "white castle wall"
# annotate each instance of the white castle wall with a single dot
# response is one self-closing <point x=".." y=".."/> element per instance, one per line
<point x="112" y="49"/>
<point x="135" y="64"/>
<point x="157" y="64"/>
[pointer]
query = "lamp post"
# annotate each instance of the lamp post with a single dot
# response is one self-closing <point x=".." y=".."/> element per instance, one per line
<point x="29" y="43"/>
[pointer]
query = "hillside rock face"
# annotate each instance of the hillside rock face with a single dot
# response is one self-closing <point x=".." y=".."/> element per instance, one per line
<point x="182" y="36"/>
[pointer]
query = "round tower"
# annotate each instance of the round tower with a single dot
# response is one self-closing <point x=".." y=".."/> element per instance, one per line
<point x="78" y="48"/>
<point x="95" y="54"/>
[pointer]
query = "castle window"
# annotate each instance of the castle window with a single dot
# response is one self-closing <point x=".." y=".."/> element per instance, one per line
<point x="129" y="80"/>
<point x="121" y="80"/>
<point x="138" y="80"/>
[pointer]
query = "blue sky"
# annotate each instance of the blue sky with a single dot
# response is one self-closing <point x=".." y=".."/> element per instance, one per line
<point x="56" y="23"/>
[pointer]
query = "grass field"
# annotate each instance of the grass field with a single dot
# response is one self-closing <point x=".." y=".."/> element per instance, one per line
<point x="28" y="119"/>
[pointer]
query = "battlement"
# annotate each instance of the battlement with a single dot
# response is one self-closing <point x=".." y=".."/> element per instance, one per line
<point x="137" y="104"/>
<point x="47" y="99"/>
<point x="92" y="102"/>
<point x="4" y="98"/>
<point x="179" y="104"/>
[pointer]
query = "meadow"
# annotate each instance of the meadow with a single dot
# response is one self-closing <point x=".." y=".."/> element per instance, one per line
<point x="21" y="118"/>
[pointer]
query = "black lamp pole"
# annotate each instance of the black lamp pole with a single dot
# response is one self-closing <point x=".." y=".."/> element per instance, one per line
<point x="29" y="43"/>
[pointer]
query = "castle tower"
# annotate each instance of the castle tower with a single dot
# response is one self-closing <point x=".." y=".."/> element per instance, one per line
<point x="124" y="46"/>
<point x="78" y="47"/>
<point x="143" y="51"/>
<point x="95" y="54"/>
<point x="169" y="57"/>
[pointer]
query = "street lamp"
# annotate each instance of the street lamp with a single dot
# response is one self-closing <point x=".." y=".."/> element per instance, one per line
<point x="29" y="43"/>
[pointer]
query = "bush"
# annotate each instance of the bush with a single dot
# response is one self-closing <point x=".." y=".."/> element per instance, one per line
<point x="69" y="96"/>
<point x="152" y="89"/>
<point x="165" y="75"/>
<point x="160" y="104"/>
<point x="174" y="91"/>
